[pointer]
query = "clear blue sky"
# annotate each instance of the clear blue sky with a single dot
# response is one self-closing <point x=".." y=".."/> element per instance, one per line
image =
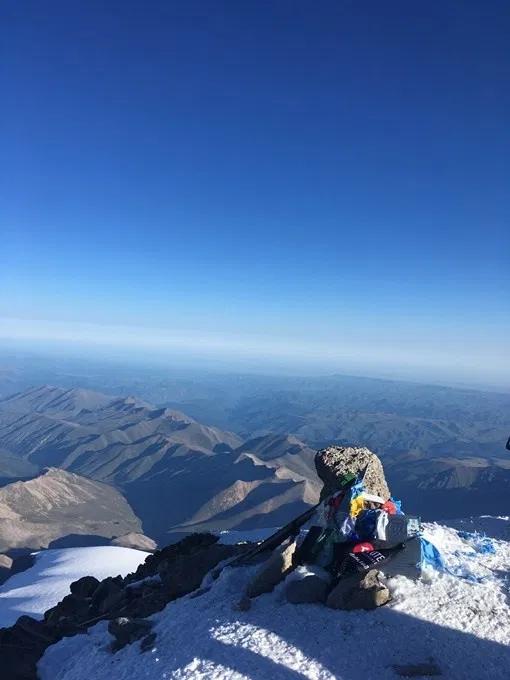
<point x="321" y="179"/>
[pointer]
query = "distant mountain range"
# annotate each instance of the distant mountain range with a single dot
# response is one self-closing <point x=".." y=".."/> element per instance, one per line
<point x="177" y="475"/>
<point x="391" y="417"/>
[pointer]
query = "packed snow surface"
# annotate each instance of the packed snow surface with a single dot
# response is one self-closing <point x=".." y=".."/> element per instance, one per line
<point x="462" y="626"/>
<point x="44" y="584"/>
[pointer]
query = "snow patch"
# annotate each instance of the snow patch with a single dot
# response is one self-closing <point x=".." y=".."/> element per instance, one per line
<point x="39" y="588"/>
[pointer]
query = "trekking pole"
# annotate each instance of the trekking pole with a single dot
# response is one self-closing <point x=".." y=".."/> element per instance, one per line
<point x="292" y="528"/>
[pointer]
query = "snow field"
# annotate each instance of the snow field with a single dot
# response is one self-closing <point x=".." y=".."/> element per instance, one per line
<point x="47" y="582"/>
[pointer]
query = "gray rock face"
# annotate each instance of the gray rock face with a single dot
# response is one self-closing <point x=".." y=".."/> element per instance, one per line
<point x="334" y="462"/>
<point x="360" y="591"/>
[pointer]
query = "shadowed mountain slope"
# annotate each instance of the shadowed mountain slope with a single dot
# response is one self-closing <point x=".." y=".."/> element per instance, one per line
<point x="115" y="440"/>
<point x="47" y="399"/>
<point x="180" y="475"/>
<point x="177" y="474"/>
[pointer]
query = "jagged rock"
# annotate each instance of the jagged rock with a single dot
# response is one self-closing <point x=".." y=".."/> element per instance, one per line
<point x="146" y="601"/>
<point x="52" y="616"/>
<point x="126" y="630"/>
<point x="33" y="630"/>
<point x="333" y="462"/>
<point x="272" y="570"/>
<point x="85" y="586"/>
<point x="77" y="608"/>
<point x="187" y="546"/>
<point x="360" y="591"/>
<point x="107" y="595"/>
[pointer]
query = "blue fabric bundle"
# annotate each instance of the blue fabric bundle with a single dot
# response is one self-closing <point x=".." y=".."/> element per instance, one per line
<point x="479" y="542"/>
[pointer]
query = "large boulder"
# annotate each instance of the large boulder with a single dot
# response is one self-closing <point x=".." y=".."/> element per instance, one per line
<point x="333" y="462"/>
<point x="359" y="591"/>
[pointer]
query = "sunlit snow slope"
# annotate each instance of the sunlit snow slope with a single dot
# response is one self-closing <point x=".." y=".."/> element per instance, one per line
<point x="47" y="581"/>
<point x="463" y="627"/>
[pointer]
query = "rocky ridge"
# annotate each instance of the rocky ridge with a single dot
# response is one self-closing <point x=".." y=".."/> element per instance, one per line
<point x="166" y="575"/>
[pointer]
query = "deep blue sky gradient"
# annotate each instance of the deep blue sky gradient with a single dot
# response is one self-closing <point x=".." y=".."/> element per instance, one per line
<point x="283" y="171"/>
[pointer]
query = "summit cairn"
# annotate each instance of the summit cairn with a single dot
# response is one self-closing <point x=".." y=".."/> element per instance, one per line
<point x="338" y="552"/>
<point x="334" y="462"/>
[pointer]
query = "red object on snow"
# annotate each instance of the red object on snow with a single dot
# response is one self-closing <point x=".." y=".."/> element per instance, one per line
<point x="363" y="547"/>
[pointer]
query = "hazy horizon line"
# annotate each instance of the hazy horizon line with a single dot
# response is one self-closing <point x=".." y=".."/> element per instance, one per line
<point x="233" y="354"/>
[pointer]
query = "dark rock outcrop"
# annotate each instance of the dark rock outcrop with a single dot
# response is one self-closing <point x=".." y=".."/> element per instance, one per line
<point x="165" y="575"/>
<point x="85" y="586"/>
<point x="21" y="647"/>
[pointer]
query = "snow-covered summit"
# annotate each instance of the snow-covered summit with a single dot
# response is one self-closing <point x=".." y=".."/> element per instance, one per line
<point x="462" y="627"/>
